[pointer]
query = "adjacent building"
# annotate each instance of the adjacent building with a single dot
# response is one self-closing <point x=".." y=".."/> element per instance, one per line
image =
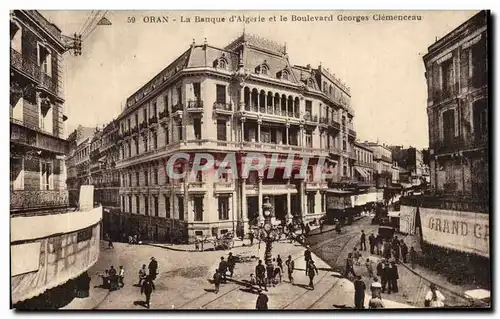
<point x="364" y="167"/>
<point x="412" y="160"/>
<point x="382" y="157"/>
<point x="240" y="99"/>
<point x="455" y="217"/>
<point x="51" y="243"/>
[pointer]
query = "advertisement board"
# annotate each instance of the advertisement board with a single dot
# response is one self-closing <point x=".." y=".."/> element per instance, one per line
<point x="462" y="231"/>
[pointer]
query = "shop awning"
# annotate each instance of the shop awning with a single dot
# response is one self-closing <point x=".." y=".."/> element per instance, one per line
<point x="393" y="214"/>
<point x="361" y="171"/>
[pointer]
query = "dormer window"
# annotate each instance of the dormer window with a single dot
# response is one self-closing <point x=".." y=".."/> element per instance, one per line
<point x="221" y="62"/>
<point x="285" y="75"/>
<point x="310" y="83"/>
<point x="262" y="69"/>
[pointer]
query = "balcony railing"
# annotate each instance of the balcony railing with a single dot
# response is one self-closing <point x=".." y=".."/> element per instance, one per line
<point x="25" y="65"/>
<point x="271" y="111"/>
<point x="352" y="133"/>
<point x="334" y="124"/>
<point x="22" y="133"/>
<point x="223" y="186"/>
<point x="178" y="108"/>
<point x="459" y="144"/>
<point x="311" y="118"/>
<point x="163" y="114"/>
<point x="223" y="106"/>
<point x="196" y="105"/>
<point x="21" y="200"/>
<point x="153" y="120"/>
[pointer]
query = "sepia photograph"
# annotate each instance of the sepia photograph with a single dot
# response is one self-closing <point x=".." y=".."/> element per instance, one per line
<point x="250" y="160"/>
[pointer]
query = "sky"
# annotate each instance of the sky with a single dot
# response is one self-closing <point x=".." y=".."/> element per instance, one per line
<point x="381" y="61"/>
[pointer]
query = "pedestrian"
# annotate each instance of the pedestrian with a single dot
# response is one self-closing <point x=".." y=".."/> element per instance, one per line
<point x="384" y="277"/>
<point x="223" y="268"/>
<point x="260" y="273"/>
<point x="321" y="224"/>
<point x="290" y="264"/>
<point x="396" y="250"/>
<point x="110" y="242"/>
<point x="217" y="279"/>
<point x="251" y="237"/>
<point x="369" y="267"/>
<point x="393" y="276"/>
<point x="279" y="262"/>
<point x="277" y="273"/>
<point x="196" y="244"/>
<point x="262" y="300"/>
<point x="371" y="242"/>
<point x="270" y="273"/>
<point x="359" y="293"/>
<point x="153" y="268"/>
<point x="147" y="288"/>
<point x="356" y="255"/>
<point x="379" y="243"/>
<point x="105" y="279"/>
<point x="307" y="255"/>
<point x="142" y="275"/>
<point x="231" y="262"/>
<point x="381" y="273"/>
<point x="113" y="279"/>
<point x="404" y="252"/>
<point x="376" y="300"/>
<point x="434" y="298"/>
<point x="311" y="271"/>
<point x="307" y="229"/>
<point x="121" y="275"/>
<point x="413" y="257"/>
<point x="362" y="241"/>
<point x="387" y="249"/>
<point x="349" y="265"/>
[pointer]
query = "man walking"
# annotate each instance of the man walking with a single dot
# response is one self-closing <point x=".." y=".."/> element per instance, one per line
<point x="359" y="293"/>
<point x="349" y="266"/>
<point x="260" y="273"/>
<point x="121" y="275"/>
<point x="404" y="251"/>
<point x="270" y="273"/>
<point x="153" y="268"/>
<point x="392" y="277"/>
<point x="290" y="264"/>
<point x="262" y="300"/>
<point x="223" y="268"/>
<point x="251" y="236"/>
<point x="311" y="271"/>
<point x="381" y="273"/>
<point x="231" y="262"/>
<point x="371" y="241"/>
<point x="363" y="240"/>
<point x="147" y="288"/>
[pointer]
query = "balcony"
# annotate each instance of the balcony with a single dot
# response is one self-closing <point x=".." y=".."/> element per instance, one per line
<point x="311" y="118"/>
<point x="163" y="115"/>
<point x="143" y="126"/>
<point x="312" y="186"/>
<point x="195" y="106"/>
<point x="223" y="108"/>
<point x="334" y="125"/>
<point x="197" y="187"/>
<point x="178" y="109"/>
<point x="457" y="144"/>
<point x="32" y="70"/>
<point x="23" y="200"/>
<point x="223" y="187"/>
<point x="153" y="120"/>
<point x="352" y="134"/>
<point x="33" y="137"/>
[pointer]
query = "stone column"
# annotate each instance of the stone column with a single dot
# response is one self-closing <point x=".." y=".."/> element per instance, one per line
<point x="244" y="206"/>
<point x="260" y="198"/>
<point x="287" y="126"/>
<point x="258" y="131"/>
<point x="302" y="136"/>
<point x="242" y="130"/>
<point x="241" y="101"/>
<point x="289" y="216"/>
<point x="303" y="200"/>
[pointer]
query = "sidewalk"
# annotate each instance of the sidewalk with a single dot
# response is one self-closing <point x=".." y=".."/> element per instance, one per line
<point x="413" y="284"/>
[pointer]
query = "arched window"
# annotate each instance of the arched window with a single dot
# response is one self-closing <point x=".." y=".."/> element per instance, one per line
<point x="264" y="70"/>
<point x="284" y="75"/>
<point x="222" y="63"/>
<point x="310" y="83"/>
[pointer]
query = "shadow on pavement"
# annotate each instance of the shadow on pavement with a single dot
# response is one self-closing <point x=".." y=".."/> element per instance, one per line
<point x="209" y="290"/>
<point x="303" y="286"/>
<point x="141" y="303"/>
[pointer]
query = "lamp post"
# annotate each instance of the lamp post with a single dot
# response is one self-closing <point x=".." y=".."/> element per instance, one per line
<point x="268" y="232"/>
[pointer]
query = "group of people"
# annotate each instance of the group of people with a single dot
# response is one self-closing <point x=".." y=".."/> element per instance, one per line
<point x="113" y="280"/>
<point x="146" y="279"/>
<point x="225" y="266"/>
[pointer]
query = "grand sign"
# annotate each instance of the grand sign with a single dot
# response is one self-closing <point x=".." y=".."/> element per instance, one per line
<point x="463" y="231"/>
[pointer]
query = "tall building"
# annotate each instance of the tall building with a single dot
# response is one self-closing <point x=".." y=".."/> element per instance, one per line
<point x="382" y="157"/>
<point x="244" y="98"/>
<point x="51" y="244"/>
<point x="454" y="219"/>
<point x="411" y="159"/>
<point x="364" y="167"/>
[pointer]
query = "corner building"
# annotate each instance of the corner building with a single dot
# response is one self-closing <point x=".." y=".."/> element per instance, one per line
<point x="52" y="245"/>
<point x="244" y="98"/>
<point x="454" y="217"/>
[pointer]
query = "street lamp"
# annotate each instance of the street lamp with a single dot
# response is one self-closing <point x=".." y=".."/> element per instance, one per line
<point x="268" y="233"/>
